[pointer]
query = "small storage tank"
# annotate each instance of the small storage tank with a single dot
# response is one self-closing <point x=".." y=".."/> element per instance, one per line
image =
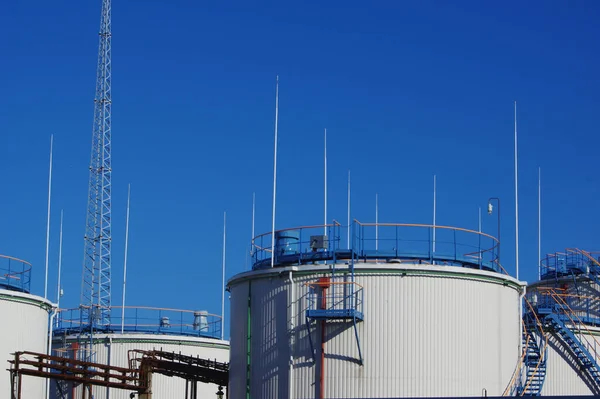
<point x="384" y="313"/>
<point x="562" y="319"/>
<point x="191" y="333"/>
<point x="24" y="323"/>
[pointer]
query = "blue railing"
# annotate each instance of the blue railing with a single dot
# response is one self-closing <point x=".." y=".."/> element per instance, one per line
<point x="342" y="300"/>
<point x="144" y="320"/>
<point x="585" y="307"/>
<point x="572" y="261"/>
<point x="15" y="274"/>
<point x="441" y="245"/>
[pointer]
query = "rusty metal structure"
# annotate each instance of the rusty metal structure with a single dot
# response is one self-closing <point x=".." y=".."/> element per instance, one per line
<point x="137" y="378"/>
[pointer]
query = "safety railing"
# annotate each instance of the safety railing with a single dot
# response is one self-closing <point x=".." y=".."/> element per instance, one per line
<point x="568" y="308"/>
<point x="366" y="242"/>
<point x="537" y="328"/>
<point x="329" y="299"/>
<point x="144" y="320"/>
<point x="15" y="274"/>
<point x="571" y="261"/>
<point x="299" y="245"/>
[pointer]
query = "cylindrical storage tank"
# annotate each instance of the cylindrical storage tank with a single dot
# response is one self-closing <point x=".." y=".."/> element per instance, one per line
<point x="427" y="330"/>
<point x="24" y="323"/>
<point x="113" y="349"/>
<point x="189" y="333"/>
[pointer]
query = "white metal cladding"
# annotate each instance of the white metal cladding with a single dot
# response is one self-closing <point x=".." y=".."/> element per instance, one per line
<point x="24" y="328"/>
<point x="562" y="372"/>
<point x="113" y="349"/>
<point x="427" y="331"/>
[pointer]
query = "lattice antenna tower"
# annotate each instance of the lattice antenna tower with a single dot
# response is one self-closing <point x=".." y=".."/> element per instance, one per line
<point x="96" y="278"/>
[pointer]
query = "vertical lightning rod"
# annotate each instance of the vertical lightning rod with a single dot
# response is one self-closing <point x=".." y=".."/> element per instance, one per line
<point x="60" y="240"/>
<point x="325" y="182"/>
<point x="125" y="260"/>
<point x="516" y="200"/>
<point x="348" y="209"/>
<point x="253" y="222"/>
<point x="48" y="219"/>
<point x="376" y="222"/>
<point x="223" y="281"/>
<point x="434" y="209"/>
<point x="274" y="172"/>
<point x="539" y="223"/>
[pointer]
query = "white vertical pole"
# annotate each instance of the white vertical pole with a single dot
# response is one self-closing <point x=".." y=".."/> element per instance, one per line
<point x="516" y="201"/>
<point x="223" y="285"/>
<point x="539" y="222"/>
<point x="253" y="221"/>
<point x="434" y="210"/>
<point x="274" y="172"/>
<point x="348" y="209"/>
<point x="60" y="239"/>
<point x="376" y="221"/>
<point x="48" y="220"/>
<point x="325" y="182"/>
<point x="125" y="259"/>
<point x="520" y="344"/>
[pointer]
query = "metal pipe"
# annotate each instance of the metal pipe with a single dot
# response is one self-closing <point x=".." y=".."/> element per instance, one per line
<point x="125" y="260"/>
<point x="49" y="348"/>
<point x="292" y="331"/>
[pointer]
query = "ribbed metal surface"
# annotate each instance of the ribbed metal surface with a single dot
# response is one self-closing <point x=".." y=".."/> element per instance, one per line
<point x="562" y="375"/>
<point x="425" y="333"/>
<point x="24" y="328"/>
<point x="116" y="353"/>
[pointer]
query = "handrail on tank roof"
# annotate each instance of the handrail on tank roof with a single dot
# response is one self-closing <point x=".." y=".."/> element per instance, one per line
<point x="471" y="255"/>
<point x="15" y="278"/>
<point x="145" y="320"/>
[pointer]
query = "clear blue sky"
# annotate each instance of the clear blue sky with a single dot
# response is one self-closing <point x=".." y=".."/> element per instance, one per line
<point x="406" y="90"/>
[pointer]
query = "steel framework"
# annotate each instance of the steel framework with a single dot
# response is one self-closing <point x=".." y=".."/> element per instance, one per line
<point x="96" y="278"/>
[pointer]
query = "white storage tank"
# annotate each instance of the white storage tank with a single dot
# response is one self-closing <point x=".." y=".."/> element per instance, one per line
<point x="24" y="323"/>
<point x="191" y="333"/>
<point x="385" y="317"/>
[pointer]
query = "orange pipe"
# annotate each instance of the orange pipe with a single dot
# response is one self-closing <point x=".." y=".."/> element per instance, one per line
<point x="323" y="282"/>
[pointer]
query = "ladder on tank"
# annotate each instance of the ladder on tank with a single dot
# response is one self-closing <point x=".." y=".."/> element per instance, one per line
<point x="332" y="299"/>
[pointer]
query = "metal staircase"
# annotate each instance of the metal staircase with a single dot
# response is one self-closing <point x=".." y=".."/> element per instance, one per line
<point x="560" y="318"/>
<point x="583" y="356"/>
<point x="534" y="360"/>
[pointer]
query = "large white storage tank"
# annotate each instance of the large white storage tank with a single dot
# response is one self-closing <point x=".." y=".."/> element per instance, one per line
<point x="566" y="305"/>
<point x="385" y="317"/>
<point x="191" y="333"/>
<point x="24" y="323"/>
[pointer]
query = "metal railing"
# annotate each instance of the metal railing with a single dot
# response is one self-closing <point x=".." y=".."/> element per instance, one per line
<point x="340" y="297"/>
<point x="378" y="242"/>
<point x="571" y="261"/>
<point x="143" y="320"/>
<point x="15" y="274"/>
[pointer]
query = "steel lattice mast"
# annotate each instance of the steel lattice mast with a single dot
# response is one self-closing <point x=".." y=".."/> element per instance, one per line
<point x="96" y="279"/>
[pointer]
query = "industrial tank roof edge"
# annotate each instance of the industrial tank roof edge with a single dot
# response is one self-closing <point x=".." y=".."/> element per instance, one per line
<point x="146" y="338"/>
<point x="22" y="297"/>
<point x="380" y="267"/>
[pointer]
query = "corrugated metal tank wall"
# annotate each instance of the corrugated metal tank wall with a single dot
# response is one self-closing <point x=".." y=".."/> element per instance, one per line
<point x="427" y="331"/>
<point x="24" y="328"/>
<point x="163" y="387"/>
